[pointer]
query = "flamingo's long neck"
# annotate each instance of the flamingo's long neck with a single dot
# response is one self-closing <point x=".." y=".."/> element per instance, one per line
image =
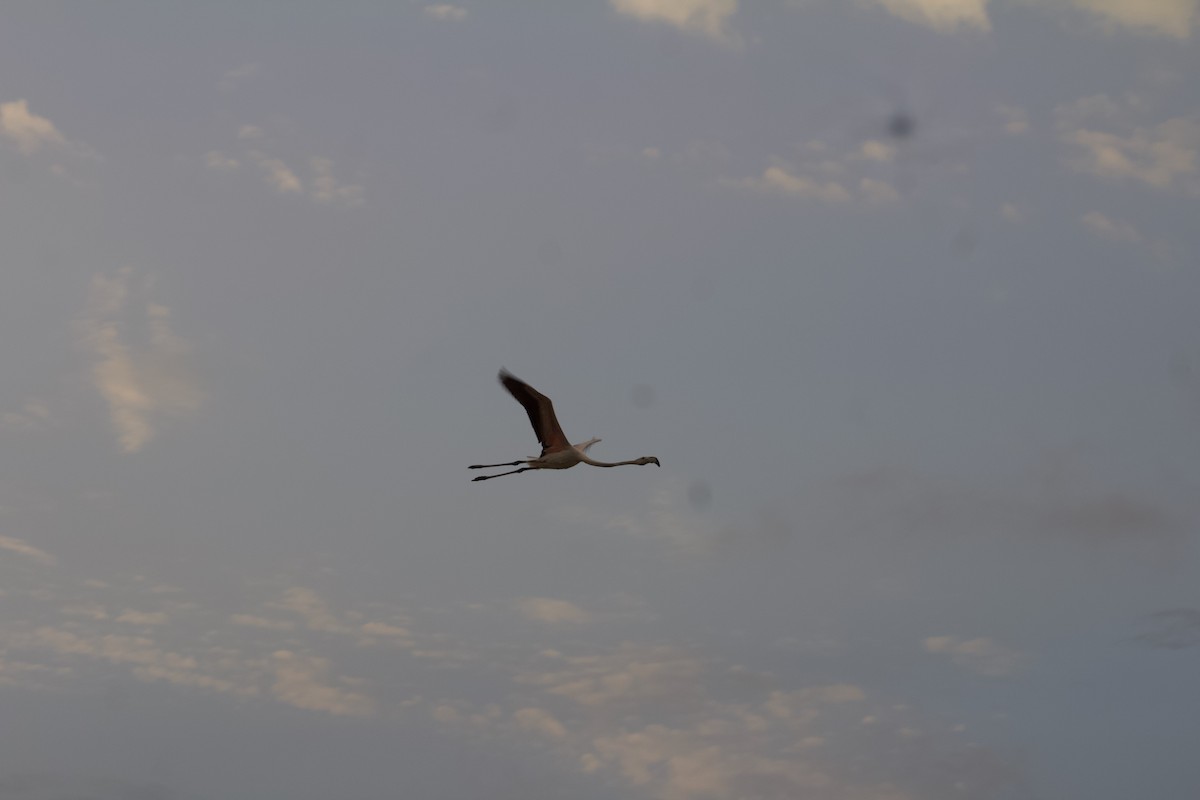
<point x="595" y="463"/>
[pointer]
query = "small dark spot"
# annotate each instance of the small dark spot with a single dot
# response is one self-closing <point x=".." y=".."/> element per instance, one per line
<point x="901" y="125"/>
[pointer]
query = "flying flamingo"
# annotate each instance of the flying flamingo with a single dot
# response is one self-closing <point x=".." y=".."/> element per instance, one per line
<point x="557" y="452"/>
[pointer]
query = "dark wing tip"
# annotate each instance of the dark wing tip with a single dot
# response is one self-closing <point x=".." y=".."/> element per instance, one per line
<point x="515" y="386"/>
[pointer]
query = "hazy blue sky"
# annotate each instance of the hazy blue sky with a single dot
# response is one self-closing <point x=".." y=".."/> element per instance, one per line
<point x="926" y="397"/>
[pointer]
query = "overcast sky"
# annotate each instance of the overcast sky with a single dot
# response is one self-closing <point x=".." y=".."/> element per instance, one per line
<point x="902" y="293"/>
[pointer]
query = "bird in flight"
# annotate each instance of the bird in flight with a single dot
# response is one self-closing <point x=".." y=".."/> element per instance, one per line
<point x="557" y="452"/>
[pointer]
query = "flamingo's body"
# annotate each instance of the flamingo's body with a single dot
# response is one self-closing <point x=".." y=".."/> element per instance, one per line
<point x="557" y="452"/>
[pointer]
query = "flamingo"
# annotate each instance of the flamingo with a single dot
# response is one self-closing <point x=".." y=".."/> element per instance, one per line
<point x="557" y="452"/>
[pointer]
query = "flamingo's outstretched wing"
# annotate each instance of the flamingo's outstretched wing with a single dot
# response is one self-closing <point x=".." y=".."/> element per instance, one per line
<point x="540" y="411"/>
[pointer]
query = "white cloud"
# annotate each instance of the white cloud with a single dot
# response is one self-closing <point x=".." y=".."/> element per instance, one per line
<point x="551" y="611"/>
<point x="664" y="518"/>
<point x="302" y="681"/>
<point x="945" y="16"/>
<point x="215" y="159"/>
<point x="1092" y="107"/>
<point x="33" y="416"/>
<point x="736" y="751"/>
<point x="446" y="714"/>
<point x="1012" y="212"/>
<point x="14" y="545"/>
<point x="540" y="722"/>
<point x="447" y="12"/>
<point x="778" y="180"/>
<point x="277" y="173"/>
<point x="874" y="150"/>
<point x="707" y="17"/>
<point x="1114" y="230"/>
<point x="147" y="660"/>
<point x="1016" y="120"/>
<point x="644" y="714"/>
<point x="1164" y="156"/>
<point x="92" y="611"/>
<point x="798" y="704"/>
<point x="656" y="718"/>
<point x="312" y="609"/>
<point x="981" y="655"/>
<point x="878" y="191"/>
<point x="1172" y="18"/>
<point x="326" y="189"/>
<point x="632" y="674"/>
<point x="374" y="634"/>
<point x="858" y="174"/>
<point x="384" y="630"/>
<point x="141" y="384"/>
<point x="253" y="621"/>
<point x="320" y="185"/>
<point x="682" y="763"/>
<point x="28" y="131"/>
<point x="235" y="77"/>
<point x="143" y="618"/>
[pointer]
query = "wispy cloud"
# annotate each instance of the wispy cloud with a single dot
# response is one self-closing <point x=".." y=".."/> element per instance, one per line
<point x="319" y="182"/>
<point x="551" y="611"/>
<point x="982" y="655"/>
<point x="132" y="617"/>
<point x="876" y="191"/>
<point x="35" y="136"/>
<point x="706" y="17"/>
<point x="277" y="173"/>
<point x="833" y="176"/>
<point x="1171" y="18"/>
<point x="303" y="681"/>
<point x="630" y="675"/>
<point x="1016" y="120"/>
<point x="1070" y="509"/>
<point x="1114" y="230"/>
<point x="266" y="623"/>
<point x="1163" y="156"/>
<point x="540" y="722"/>
<point x="311" y="608"/>
<point x="646" y="715"/>
<point x="146" y="659"/>
<point x="234" y="78"/>
<point x="14" y="545"/>
<point x="658" y="718"/>
<point x="778" y="180"/>
<point x="143" y="383"/>
<point x="325" y="188"/>
<point x="33" y="416"/>
<point x="1012" y="212"/>
<point x="446" y="12"/>
<point x="28" y="131"/>
<point x="215" y="159"/>
<point x="945" y="16"/>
